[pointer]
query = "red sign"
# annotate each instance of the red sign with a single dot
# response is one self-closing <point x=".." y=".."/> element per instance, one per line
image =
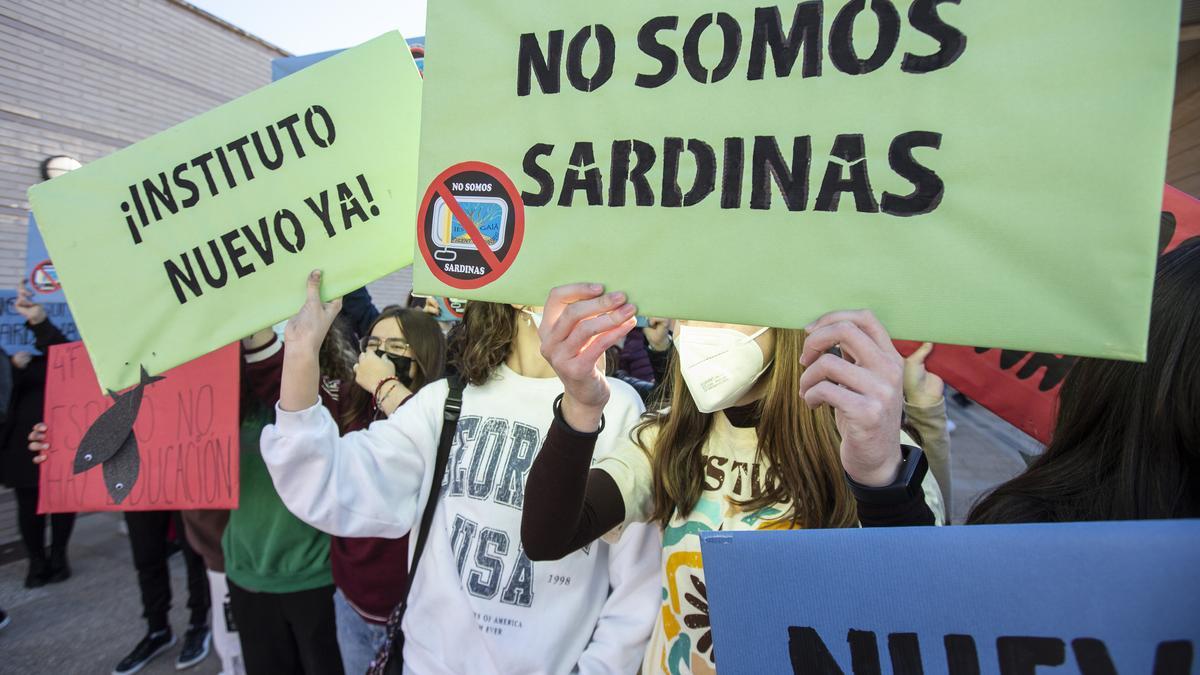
<point x="471" y="225"/>
<point x="1022" y="387"/>
<point x="183" y="449"/>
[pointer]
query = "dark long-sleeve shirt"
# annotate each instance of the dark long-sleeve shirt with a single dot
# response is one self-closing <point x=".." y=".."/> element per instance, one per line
<point x="568" y="504"/>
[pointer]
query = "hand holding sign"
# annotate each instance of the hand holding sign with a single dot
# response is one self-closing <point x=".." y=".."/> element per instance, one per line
<point x="38" y="443"/>
<point x="26" y="307"/>
<point x="865" y="390"/>
<point x="303" y="337"/>
<point x="579" y="323"/>
<point x="306" y="330"/>
<point x="657" y="333"/>
<point x="921" y="387"/>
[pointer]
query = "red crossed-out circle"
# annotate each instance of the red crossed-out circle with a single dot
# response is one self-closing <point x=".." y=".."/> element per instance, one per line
<point x="43" y="279"/>
<point x="514" y="227"/>
<point x="450" y="308"/>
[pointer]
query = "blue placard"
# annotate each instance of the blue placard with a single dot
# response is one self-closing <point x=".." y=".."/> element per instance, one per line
<point x="284" y="66"/>
<point x="1101" y="598"/>
<point x="40" y="277"/>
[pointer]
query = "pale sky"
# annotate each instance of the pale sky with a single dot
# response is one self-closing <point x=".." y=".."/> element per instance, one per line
<point x="309" y="26"/>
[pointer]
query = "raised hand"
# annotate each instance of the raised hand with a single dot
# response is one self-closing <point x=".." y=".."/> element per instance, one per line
<point x="865" y="389"/>
<point x="26" y="307"/>
<point x="38" y="444"/>
<point x="372" y="369"/>
<point x="298" y="385"/>
<point x="307" y="329"/>
<point x="579" y="323"/>
<point x="921" y="387"/>
<point x="656" y="333"/>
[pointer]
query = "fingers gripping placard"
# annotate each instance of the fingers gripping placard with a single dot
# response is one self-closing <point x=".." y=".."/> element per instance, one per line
<point x="471" y="225"/>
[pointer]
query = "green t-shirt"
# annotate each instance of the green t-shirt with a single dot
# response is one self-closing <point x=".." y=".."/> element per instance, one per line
<point x="267" y="549"/>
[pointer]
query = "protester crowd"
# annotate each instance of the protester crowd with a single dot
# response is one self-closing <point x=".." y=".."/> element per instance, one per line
<point x="523" y="490"/>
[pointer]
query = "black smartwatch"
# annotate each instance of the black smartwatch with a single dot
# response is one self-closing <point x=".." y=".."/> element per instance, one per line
<point x="913" y="467"/>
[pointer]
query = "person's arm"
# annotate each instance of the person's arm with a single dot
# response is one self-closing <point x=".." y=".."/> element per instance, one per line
<point x="394" y="397"/>
<point x="32" y="376"/>
<point x="568" y="505"/>
<point x="925" y="408"/>
<point x="364" y="484"/>
<point x="906" y="514"/>
<point x="930" y="423"/>
<point x="262" y="353"/>
<point x="300" y="382"/>
<point x="658" y="349"/>
<point x="46" y="335"/>
<point x="629" y="613"/>
<point x="377" y="376"/>
<point x="368" y="483"/>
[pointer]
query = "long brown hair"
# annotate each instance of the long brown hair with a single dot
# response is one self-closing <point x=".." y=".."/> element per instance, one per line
<point x="428" y="344"/>
<point x="483" y="340"/>
<point x="799" y="444"/>
<point x="1126" y="444"/>
<point x="338" y="355"/>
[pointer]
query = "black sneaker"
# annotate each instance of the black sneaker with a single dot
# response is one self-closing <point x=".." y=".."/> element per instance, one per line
<point x="151" y="646"/>
<point x="4" y="620"/>
<point x="195" y="646"/>
<point x="56" y="573"/>
<point x="36" y="576"/>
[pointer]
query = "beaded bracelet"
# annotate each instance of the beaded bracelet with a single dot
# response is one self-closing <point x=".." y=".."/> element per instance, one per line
<point x="380" y="386"/>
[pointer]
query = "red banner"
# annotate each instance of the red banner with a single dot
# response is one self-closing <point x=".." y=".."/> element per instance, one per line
<point x="169" y="443"/>
<point x="1022" y="387"/>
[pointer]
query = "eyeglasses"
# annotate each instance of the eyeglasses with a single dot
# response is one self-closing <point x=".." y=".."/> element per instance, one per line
<point x="393" y="346"/>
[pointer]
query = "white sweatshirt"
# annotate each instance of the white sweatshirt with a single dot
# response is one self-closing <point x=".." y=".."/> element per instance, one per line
<point x="478" y="604"/>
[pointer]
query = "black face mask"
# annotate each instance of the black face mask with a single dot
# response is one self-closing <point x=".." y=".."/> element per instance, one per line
<point x="403" y="367"/>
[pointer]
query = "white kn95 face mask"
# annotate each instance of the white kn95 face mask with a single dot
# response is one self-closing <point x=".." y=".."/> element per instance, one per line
<point x="719" y="365"/>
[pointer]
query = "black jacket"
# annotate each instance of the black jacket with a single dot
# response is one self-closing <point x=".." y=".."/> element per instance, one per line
<point x="25" y="409"/>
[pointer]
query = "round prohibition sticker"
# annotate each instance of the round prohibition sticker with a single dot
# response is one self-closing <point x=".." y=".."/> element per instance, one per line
<point x="471" y="225"/>
<point x="44" y="279"/>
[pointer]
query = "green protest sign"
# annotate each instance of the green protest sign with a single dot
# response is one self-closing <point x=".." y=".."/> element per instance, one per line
<point x="978" y="172"/>
<point x="204" y="233"/>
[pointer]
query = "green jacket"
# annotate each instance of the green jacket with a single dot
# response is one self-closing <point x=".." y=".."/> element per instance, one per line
<point x="267" y="549"/>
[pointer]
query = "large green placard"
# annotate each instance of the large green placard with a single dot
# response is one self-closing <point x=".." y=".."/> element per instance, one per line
<point x="984" y="172"/>
<point x="204" y="233"/>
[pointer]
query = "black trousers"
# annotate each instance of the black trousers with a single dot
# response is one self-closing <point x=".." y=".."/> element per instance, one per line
<point x="152" y="542"/>
<point x="287" y="632"/>
<point x="33" y="528"/>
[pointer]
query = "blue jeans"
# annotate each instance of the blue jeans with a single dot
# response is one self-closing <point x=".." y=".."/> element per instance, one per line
<point x="358" y="639"/>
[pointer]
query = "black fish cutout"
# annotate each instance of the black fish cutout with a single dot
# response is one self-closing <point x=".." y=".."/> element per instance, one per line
<point x="109" y="432"/>
<point x="121" y="470"/>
